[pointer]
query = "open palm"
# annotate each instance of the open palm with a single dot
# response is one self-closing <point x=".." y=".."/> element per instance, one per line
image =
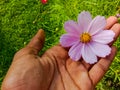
<point x="54" y="70"/>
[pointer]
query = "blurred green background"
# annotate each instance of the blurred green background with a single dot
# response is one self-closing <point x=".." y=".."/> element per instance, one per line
<point x="21" y="19"/>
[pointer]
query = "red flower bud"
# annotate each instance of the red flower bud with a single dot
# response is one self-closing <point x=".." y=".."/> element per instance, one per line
<point x="44" y="1"/>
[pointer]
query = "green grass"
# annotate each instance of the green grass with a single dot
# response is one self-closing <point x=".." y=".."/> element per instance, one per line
<point x="20" y="20"/>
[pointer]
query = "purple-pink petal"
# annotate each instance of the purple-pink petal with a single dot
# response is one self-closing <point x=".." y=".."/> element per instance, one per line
<point x="72" y="27"/>
<point x="104" y="37"/>
<point x="84" y="19"/>
<point x="88" y="55"/>
<point x="97" y="24"/>
<point x="99" y="49"/>
<point x="75" y="51"/>
<point x="68" y="40"/>
<point x="99" y="38"/>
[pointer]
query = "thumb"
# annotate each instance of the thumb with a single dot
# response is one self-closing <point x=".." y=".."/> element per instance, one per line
<point x="37" y="41"/>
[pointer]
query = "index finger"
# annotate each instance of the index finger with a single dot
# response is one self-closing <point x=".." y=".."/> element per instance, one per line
<point x="111" y="21"/>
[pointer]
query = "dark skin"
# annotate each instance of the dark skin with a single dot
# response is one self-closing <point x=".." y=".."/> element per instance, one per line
<point x="54" y="70"/>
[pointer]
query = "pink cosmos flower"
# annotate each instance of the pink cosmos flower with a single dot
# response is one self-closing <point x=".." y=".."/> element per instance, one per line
<point x="87" y="38"/>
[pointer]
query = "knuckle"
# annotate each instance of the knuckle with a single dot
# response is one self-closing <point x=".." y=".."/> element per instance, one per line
<point x="102" y="67"/>
<point x="114" y="18"/>
<point x="117" y="25"/>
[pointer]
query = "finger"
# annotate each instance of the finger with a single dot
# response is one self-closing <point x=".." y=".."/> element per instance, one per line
<point x="112" y="24"/>
<point x="72" y="63"/>
<point x="79" y="74"/>
<point x="111" y="21"/>
<point x="87" y="65"/>
<point x="116" y="29"/>
<point x="99" y="69"/>
<point x="37" y="41"/>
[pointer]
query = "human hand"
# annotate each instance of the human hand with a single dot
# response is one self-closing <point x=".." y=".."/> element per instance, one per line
<point x="54" y="70"/>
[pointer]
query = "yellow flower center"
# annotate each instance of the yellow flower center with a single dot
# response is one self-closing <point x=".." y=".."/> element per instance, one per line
<point x="85" y="37"/>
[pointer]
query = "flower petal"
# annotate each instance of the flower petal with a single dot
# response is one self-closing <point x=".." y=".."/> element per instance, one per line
<point x="68" y="40"/>
<point x="72" y="27"/>
<point x="84" y="19"/>
<point x="104" y="37"/>
<point x="97" y="24"/>
<point x="99" y="49"/>
<point x="75" y="51"/>
<point x="88" y="55"/>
